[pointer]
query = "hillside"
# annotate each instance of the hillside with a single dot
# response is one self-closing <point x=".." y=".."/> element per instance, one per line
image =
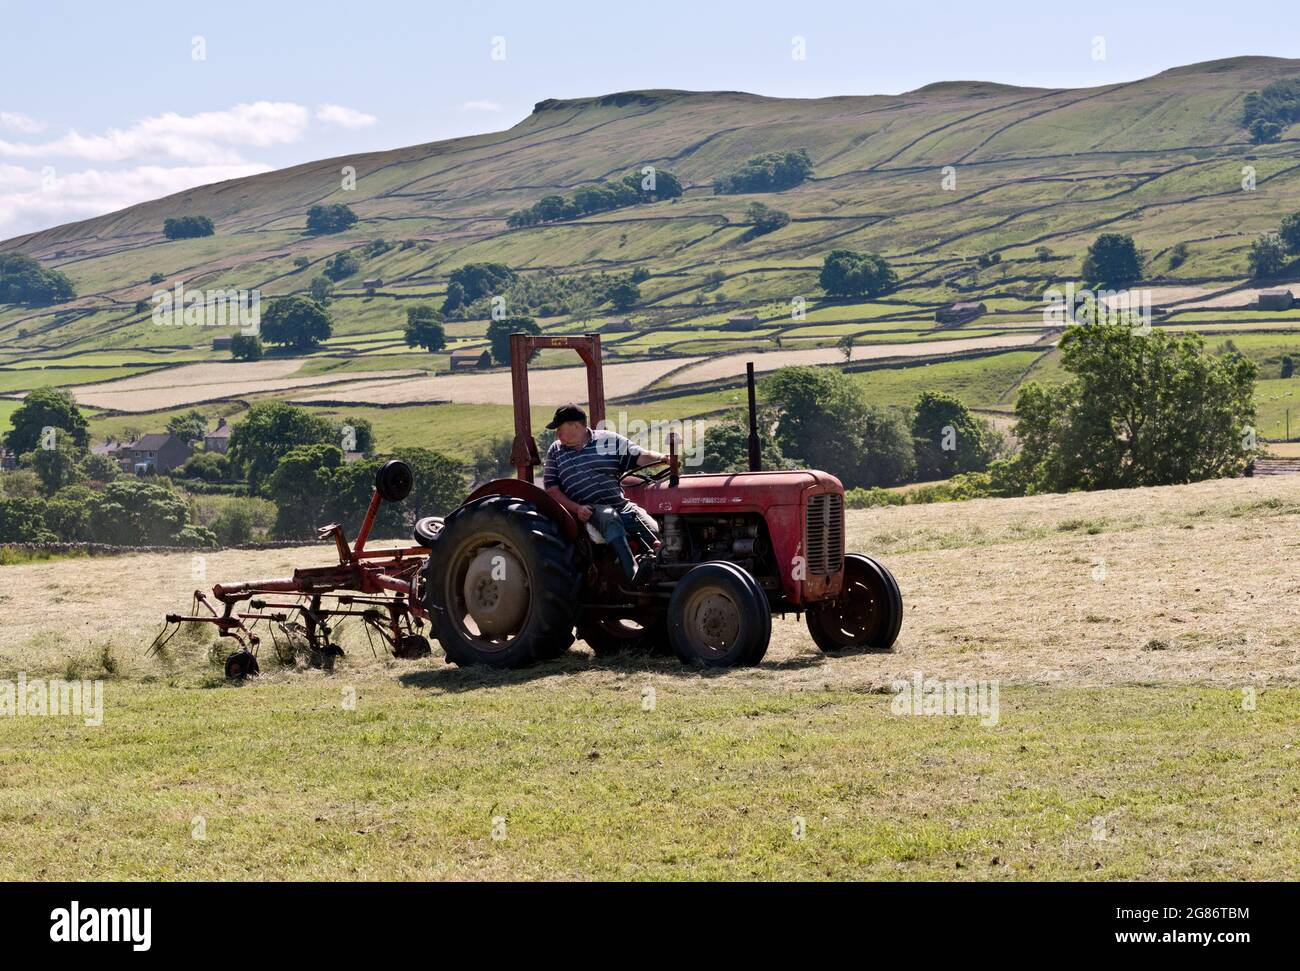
<point x="1160" y="158"/>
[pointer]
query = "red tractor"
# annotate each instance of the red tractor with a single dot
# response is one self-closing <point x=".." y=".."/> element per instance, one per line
<point x="509" y="577"/>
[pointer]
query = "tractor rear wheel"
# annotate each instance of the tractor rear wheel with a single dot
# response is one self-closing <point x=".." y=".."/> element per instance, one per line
<point x="718" y="617"/>
<point x="867" y="613"/>
<point x="501" y="585"/>
<point x="608" y="635"/>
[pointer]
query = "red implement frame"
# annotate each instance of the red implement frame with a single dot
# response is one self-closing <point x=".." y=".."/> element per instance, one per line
<point x="524" y="456"/>
<point x="385" y="581"/>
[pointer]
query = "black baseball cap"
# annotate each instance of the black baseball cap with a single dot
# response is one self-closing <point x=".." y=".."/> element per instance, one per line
<point x="569" y="412"/>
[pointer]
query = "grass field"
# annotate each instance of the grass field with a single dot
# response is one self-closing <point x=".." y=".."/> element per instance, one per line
<point x="1122" y="630"/>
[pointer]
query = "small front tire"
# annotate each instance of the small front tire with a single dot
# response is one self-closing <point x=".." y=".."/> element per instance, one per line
<point x="718" y="617"/>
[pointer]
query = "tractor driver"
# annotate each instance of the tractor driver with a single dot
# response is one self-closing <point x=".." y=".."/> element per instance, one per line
<point x="582" y="472"/>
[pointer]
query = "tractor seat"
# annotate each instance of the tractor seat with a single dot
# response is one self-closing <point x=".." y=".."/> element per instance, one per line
<point x="594" y="534"/>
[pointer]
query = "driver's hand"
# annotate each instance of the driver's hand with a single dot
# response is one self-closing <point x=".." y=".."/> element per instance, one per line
<point x="584" y="513"/>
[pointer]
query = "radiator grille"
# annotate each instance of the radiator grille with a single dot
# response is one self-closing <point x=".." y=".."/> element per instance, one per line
<point x="824" y="534"/>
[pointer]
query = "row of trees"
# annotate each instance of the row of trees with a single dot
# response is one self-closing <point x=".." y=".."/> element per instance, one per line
<point x="769" y="172"/>
<point x="470" y="289"/>
<point x="1138" y="410"/>
<point x="818" y="418"/>
<point x="634" y="189"/>
<point x="187" y="227"/>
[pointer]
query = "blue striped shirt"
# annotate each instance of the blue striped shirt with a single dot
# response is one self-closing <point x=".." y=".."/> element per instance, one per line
<point x="589" y="475"/>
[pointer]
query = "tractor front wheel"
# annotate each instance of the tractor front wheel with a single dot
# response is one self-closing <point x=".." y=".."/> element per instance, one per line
<point x="719" y="617"/>
<point x="501" y="585"/>
<point x="867" y="613"/>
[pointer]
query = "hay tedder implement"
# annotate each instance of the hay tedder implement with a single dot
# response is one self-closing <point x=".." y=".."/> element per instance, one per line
<point x="378" y="586"/>
<point x="510" y="576"/>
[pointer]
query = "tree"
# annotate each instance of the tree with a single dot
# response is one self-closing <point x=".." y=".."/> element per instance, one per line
<point x="187" y="227"/>
<point x="473" y="281"/>
<point x="823" y="422"/>
<point x="1138" y="411"/>
<point x="135" y="512"/>
<point x="1113" y="261"/>
<point x="491" y="459"/>
<point x="1262" y="131"/>
<point x="846" y="273"/>
<point x="46" y="408"/>
<point x="321" y="290"/>
<point x="59" y="466"/>
<point x="206" y="466"/>
<point x="100" y="468"/>
<point x="765" y="219"/>
<point x="424" y="328"/>
<point x="439" y="482"/>
<point x="67" y="514"/>
<point x="948" y="439"/>
<point x="330" y="218"/>
<point x="22" y="520"/>
<point x="24" y="280"/>
<point x="1267" y="256"/>
<point x="268" y="432"/>
<point x="246" y="347"/>
<point x="666" y="185"/>
<point x="1288" y="366"/>
<point x="1265" y="113"/>
<point x="303" y="489"/>
<point x="342" y="265"/>
<point x="297" y="321"/>
<point x="499" y="331"/>
<point x="726" y="445"/>
<point x="770" y="172"/>
<point x="1290" y="233"/>
<point x="188" y="427"/>
<point x="845" y="346"/>
<point x="624" y="294"/>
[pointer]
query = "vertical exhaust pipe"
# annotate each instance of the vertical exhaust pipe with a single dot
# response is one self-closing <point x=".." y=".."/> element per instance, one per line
<point x="755" y="452"/>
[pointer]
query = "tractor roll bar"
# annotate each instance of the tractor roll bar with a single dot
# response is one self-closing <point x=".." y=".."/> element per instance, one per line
<point x="524" y="456"/>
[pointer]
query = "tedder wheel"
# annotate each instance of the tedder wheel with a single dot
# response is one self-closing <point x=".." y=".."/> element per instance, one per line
<point x="867" y="613"/>
<point x="426" y="531"/>
<point x="719" y="617"/>
<point x="502" y="585"/>
<point x="394" y="481"/>
<point x="412" y="647"/>
<point x="241" y="665"/>
<point x="608" y="635"/>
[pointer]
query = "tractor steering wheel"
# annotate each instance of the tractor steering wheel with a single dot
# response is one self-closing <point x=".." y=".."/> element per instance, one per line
<point x="645" y="476"/>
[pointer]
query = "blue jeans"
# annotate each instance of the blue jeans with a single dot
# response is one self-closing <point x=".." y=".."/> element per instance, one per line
<point x="617" y="525"/>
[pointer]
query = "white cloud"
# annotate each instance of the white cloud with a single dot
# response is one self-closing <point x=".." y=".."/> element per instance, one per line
<point x="347" y="117"/>
<point x="29" y="202"/>
<point x="209" y="137"/>
<point x="17" y="121"/>
<point x="481" y="106"/>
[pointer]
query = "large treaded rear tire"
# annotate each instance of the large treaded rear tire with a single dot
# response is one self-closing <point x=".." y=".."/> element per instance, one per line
<point x="549" y="573"/>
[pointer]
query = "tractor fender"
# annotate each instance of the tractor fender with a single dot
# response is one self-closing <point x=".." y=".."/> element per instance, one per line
<point x="528" y="492"/>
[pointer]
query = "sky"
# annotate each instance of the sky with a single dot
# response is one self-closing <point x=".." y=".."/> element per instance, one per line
<point x="103" y="105"/>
